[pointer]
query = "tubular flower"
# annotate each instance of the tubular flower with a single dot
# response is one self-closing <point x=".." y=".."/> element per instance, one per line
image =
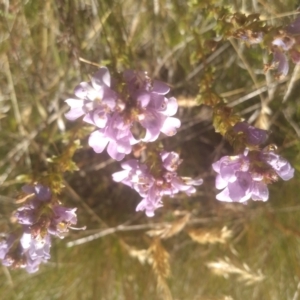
<point x="95" y="100"/>
<point x="246" y="176"/>
<point x="279" y="164"/>
<point x="154" y="111"/>
<point x="152" y="187"/>
<point x="40" y="216"/>
<point x="116" y="136"/>
<point x="287" y="41"/>
<point x="252" y="135"/>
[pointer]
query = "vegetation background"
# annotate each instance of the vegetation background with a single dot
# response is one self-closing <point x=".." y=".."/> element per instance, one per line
<point x="196" y="247"/>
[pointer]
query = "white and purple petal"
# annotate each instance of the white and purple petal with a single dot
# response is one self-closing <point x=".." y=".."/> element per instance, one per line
<point x="170" y="126"/>
<point x="98" y="141"/>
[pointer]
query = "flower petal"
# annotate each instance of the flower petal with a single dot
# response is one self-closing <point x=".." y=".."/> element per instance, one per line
<point x="170" y="126"/>
<point x="172" y="107"/>
<point x="112" y="150"/>
<point x="224" y="196"/>
<point x="143" y="98"/>
<point x="160" y="87"/>
<point x="120" y="176"/>
<point x="130" y="164"/>
<point x="85" y="91"/>
<point x="98" y="118"/>
<point x="100" y="78"/>
<point x="75" y="103"/>
<point x="239" y="190"/>
<point x="98" y="141"/>
<point x="74" y="113"/>
<point x="281" y="61"/>
<point x="220" y="182"/>
<point x="260" y="191"/>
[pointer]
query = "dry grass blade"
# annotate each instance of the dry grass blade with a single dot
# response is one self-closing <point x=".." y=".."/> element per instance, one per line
<point x="161" y="267"/>
<point x="170" y="229"/>
<point x="210" y="236"/>
<point x="160" y="256"/>
<point x="143" y="255"/>
<point x="217" y="298"/>
<point x="156" y="256"/>
<point x="225" y="267"/>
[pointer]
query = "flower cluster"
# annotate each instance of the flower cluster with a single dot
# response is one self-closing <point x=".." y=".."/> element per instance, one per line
<point x="246" y="175"/>
<point x="118" y="110"/>
<point x="40" y="217"/>
<point x="153" y="182"/>
<point x="135" y="109"/>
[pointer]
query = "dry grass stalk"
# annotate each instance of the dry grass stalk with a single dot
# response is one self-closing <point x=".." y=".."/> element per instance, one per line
<point x="161" y="267"/>
<point x="217" y="298"/>
<point x="171" y="229"/>
<point x="263" y="121"/>
<point x="158" y="258"/>
<point x="143" y="255"/>
<point x="187" y="101"/>
<point x="225" y="267"/>
<point x="210" y="236"/>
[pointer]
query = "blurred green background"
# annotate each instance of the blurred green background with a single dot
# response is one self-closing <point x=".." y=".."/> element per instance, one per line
<point x="195" y="247"/>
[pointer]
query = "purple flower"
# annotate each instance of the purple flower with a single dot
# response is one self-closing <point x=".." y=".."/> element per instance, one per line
<point x="242" y="189"/>
<point x="63" y="218"/>
<point x="116" y="136"/>
<point x="155" y="110"/>
<point x="234" y="177"/>
<point x="286" y="42"/>
<point x="38" y="195"/>
<point x="12" y="253"/>
<point x="26" y="252"/>
<point x="279" y="164"/>
<point x="170" y="160"/>
<point x="96" y="100"/>
<point x="254" y="136"/>
<point x="294" y="27"/>
<point x="136" y="176"/>
<point x="246" y="176"/>
<point x="155" y="182"/>
<point x="179" y="184"/>
<point x="151" y="202"/>
<point x="5" y="245"/>
<point x="157" y="117"/>
<point x="280" y="62"/>
<point x="40" y="192"/>
<point x="40" y="214"/>
<point x="36" y="249"/>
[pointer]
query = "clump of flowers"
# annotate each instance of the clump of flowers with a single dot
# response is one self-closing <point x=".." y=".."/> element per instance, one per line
<point x="41" y="216"/>
<point x="154" y="179"/>
<point x="246" y="176"/>
<point x="135" y="109"/>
